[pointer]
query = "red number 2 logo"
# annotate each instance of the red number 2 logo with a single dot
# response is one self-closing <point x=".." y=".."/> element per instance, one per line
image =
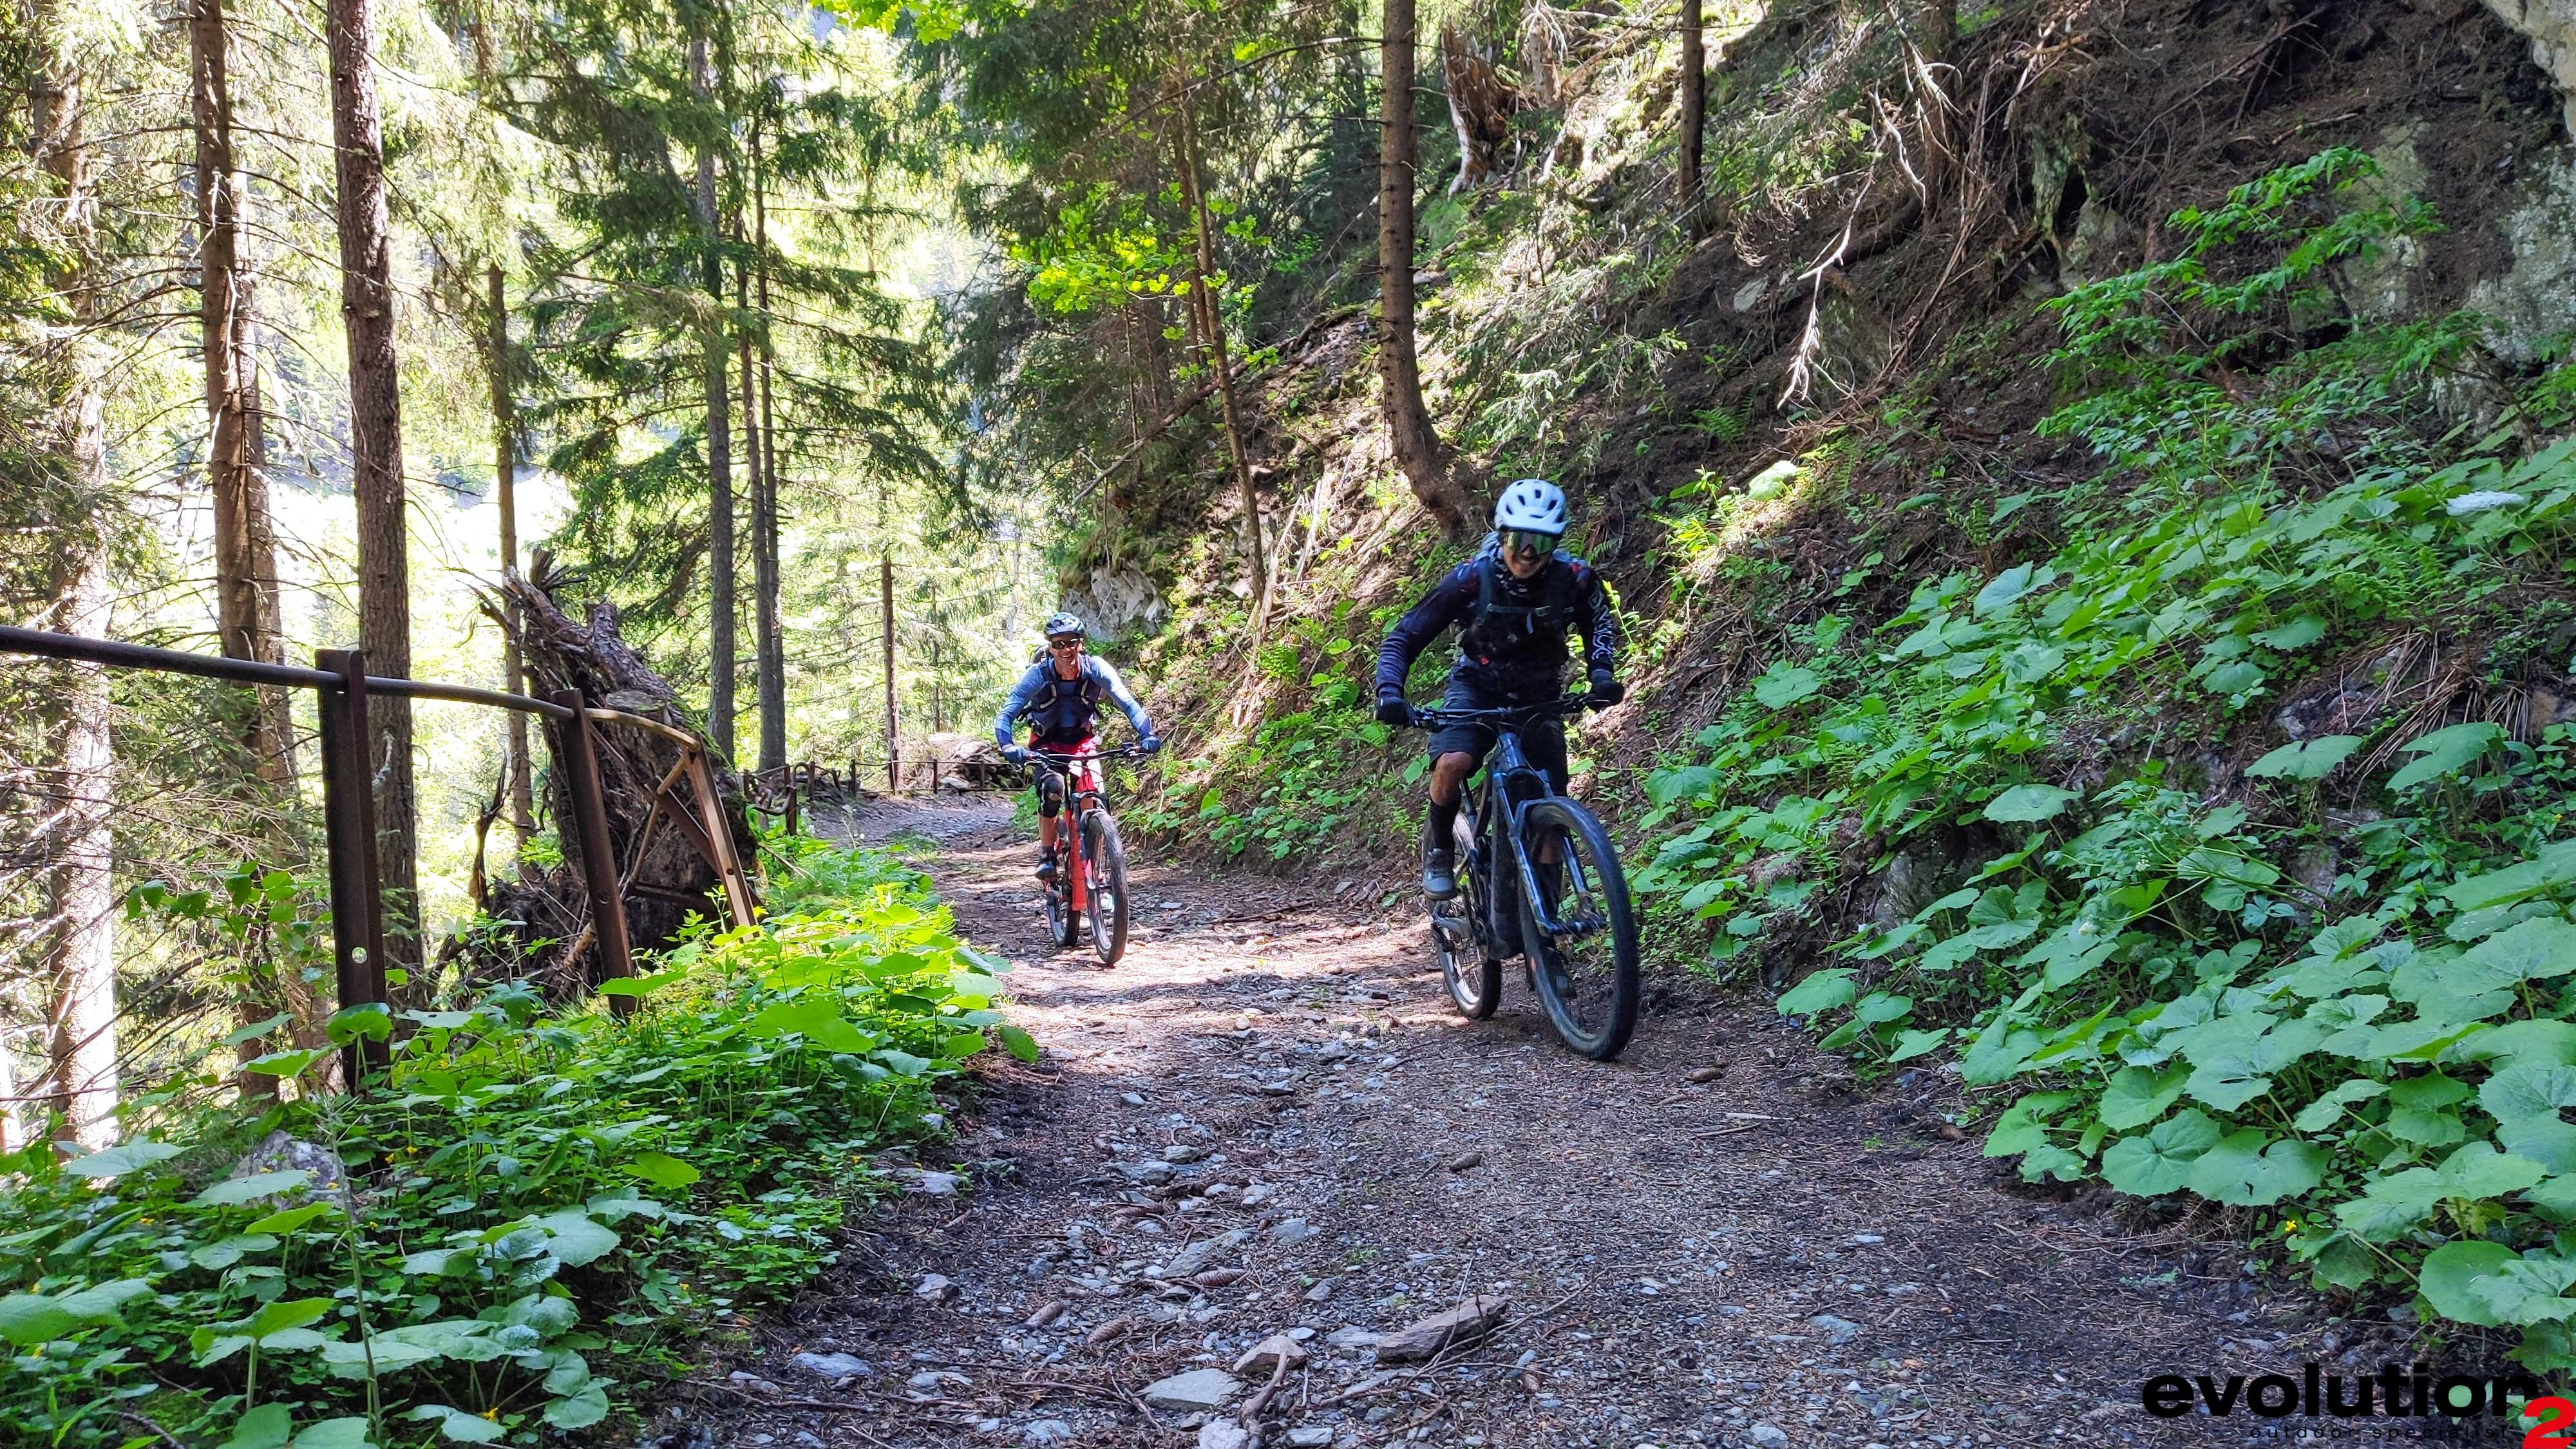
<point x="2555" y="1415"/>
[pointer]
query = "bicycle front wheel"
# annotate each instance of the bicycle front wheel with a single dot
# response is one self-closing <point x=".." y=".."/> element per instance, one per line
<point x="1108" y="903"/>
<point x="1587" y="966"/>
<point x="1064" y="923"/>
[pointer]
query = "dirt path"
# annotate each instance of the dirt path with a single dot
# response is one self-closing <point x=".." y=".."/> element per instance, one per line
<point x="1272" y="1085"/>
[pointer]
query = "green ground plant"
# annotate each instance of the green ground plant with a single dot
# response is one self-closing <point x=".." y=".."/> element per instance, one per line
<point x="541" y="1200"/>
<point x="2328" y="989"/>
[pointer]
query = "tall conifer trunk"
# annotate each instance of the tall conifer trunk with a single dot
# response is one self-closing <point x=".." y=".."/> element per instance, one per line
<point x="80" y="988"/>
<point x="1408" y="423"/>
<point x="505" y="486"/>
<point x="376" y="461"/>
<point x="246" y="600"/>
<point x="1211" y="329"/>
<point x="1694" y="121"/>
<point x="720" y="530"/>
<point x="768" y="642"/>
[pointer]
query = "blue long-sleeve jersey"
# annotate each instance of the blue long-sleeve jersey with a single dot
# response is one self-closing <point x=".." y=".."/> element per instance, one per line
<point x="1063" y="711"/>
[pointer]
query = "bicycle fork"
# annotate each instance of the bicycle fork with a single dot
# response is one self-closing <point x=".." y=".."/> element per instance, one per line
<point x="1539" y="902"/>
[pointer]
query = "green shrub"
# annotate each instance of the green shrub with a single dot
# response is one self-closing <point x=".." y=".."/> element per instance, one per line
<point x="537" y="1193"/>
<point x="2352" y="1022"/>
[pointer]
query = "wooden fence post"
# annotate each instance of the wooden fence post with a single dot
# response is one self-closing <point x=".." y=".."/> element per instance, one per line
<point x="349" y="829"/>
<point x="579" y="762"/>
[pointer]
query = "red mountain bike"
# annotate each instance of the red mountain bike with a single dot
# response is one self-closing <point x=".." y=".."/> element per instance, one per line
<point x="1090" y="883"/>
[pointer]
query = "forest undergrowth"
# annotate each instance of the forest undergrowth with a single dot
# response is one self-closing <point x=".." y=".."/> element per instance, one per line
<point x="541" y="1206"/>
<point x="2187" y="780"/>
<point x="2222" y="837"/>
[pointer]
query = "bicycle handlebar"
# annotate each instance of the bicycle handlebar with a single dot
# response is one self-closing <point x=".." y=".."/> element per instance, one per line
<point x="1040" y="755"/>
<point x="1562" y="704"/>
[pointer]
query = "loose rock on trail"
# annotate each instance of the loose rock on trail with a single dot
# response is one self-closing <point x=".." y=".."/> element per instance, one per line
<point x="1261" y="1158"/>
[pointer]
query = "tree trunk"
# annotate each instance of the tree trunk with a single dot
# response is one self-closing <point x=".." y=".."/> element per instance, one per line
<point x="81" y="999"/>
<point x="1694" y="121"/>
<point x="375" y="445"/>
<point x="768" y="647"/>
<point x="1408" y="423"/>
<point x="246" y="605"/>
<point x="1480" y="107"/>
<point x="1936" y="89"/>
<point x="1211" y="330"/>
<point x="505" y="489"/>
<point x="720" y="530"/>
<point x="80" y="989"/>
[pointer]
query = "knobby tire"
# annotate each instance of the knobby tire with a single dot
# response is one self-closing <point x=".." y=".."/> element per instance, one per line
<point x="1108" y="877"/>
<point x="1598" y="1028"/>
<point x="1474" y="976"/>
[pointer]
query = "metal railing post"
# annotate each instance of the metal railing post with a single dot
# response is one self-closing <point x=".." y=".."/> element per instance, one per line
<point x="349" y="826"/>
<point x="580" y="765"/>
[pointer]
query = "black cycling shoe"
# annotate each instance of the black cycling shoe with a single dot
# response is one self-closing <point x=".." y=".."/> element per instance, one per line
<point x="1439" y="875"/>
<point x="1046" y="869"/>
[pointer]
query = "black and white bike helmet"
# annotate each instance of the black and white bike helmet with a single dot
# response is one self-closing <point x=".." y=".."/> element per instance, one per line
<point x="1059" y="625"/>
<point x="1532" y="505"/>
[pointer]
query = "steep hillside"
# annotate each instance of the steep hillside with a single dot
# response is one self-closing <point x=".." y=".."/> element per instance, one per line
<point x="2094" y="542"/>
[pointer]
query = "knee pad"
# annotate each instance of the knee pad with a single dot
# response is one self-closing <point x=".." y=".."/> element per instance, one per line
<point x="1050" y="795"/>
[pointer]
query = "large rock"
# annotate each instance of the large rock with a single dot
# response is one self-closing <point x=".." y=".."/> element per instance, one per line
<point x="2551" y="27"/>
<point x="1465" y="1323"/>
<point x="1266" y="1356"/>
<point x="2535" y="298"/>
<point x="1117" y="602"/>
<point x="324" y="1174"/>
<point x="1199" y="1391"/>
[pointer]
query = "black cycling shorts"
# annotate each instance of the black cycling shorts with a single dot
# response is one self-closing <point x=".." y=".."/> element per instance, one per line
<point x="1543" y="742"/>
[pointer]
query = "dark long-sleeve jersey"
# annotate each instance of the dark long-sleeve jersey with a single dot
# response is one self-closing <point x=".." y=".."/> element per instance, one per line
<point x="1514" y="641"/>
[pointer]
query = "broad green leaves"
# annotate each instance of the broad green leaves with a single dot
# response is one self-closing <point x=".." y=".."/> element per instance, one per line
<point x="662" y="1170"/>
<point x="2025" y="804"/>
<point x="1784" y="684"/>
<point x="2254" y="1169"/>
<point x="2312" y="760"/>
<point x="1821" y="991"/>
<point x="2445" y="752"/>
<point x="123" y="1158"/>
<point x="28" y="1319"/>
<point x="2160" y="1160"/>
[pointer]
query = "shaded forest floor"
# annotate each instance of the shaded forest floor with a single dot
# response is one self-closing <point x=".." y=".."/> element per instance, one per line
<point x="1272" y="1082"/>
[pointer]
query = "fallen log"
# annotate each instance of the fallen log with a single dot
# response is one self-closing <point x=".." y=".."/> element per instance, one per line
<point x="539" y="924"/>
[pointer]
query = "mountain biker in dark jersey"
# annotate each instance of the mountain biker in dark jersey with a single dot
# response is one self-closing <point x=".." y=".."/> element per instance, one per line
<point x="1512" y="605"/>
<point x="1060" y="697"/>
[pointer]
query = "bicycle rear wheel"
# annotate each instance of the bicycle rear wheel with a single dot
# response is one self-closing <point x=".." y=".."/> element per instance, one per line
<point x="1475" y="979"/>
<point x="1107" y="906"/>
<point x="1587" y="970"/>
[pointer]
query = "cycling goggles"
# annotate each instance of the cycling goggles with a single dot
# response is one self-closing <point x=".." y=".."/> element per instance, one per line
<point x="1065" y="643"/>
<point x="1523" y="542"/>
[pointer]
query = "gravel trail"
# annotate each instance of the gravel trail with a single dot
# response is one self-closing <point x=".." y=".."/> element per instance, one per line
<point x="1267" y="1121"/>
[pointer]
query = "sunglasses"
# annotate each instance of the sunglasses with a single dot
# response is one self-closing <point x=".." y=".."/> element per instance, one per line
<point x="1061" y="646"/>
<point x="1527" y="544"/>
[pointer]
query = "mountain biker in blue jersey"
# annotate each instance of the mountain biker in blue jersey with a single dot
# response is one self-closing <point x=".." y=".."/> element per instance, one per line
<point x="1512" y="605"/>
<point x="1060" y="698"/>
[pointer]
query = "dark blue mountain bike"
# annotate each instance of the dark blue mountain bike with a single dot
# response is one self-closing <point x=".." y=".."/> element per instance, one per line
<point x="1538" y="878"/>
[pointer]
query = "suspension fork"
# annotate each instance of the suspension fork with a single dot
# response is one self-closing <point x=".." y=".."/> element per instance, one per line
<point x="1548" y="924"/>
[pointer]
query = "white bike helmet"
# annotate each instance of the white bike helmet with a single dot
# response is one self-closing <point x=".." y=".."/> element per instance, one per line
<point x="1532" y="505"/>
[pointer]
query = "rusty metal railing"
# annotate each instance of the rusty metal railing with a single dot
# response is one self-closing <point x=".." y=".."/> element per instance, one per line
<point x="342" y="686"/>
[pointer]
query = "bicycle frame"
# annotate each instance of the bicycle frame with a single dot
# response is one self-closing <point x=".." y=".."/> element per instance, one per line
<point x="1511" y="764"/>
<point x="1501" y="805"/>
<point x="1080" y="800"/>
